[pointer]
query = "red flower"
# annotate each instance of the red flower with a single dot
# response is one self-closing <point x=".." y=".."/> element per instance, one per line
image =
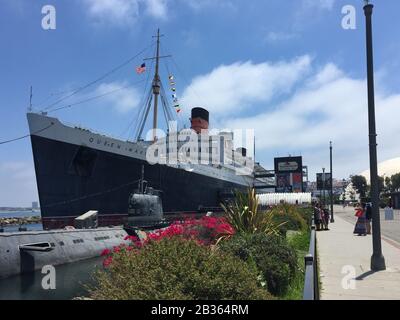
<point x="107" y="261"/>
<point x="105" y="252"/>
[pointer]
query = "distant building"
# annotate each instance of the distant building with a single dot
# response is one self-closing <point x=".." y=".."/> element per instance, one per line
<point x="35" y="205"/>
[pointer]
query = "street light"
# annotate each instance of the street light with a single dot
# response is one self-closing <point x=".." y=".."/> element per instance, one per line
<point x="323" y="186"/>
<point x="377" y="259"/>
<point x="331" y="186"/>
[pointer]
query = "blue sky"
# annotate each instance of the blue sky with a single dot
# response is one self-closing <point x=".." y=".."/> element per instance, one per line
<point x="285" y="68"/>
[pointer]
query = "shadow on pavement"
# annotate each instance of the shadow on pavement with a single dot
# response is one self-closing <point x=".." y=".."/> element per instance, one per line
<point x="365" y="274"/>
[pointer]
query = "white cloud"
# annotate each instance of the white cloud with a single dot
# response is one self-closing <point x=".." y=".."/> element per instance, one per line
<point x="279" y="36"/>
<point x="202" y="4"/>
<point x="127" y="12"/>
<point x="320" y="4"/>
<point x="124" y="12"/>
<point x="308" y="12"/>
<point x="157" y="8"/>
<point x="234" y="87"/>
<point x="329" y="105"/>
<point x="327" y="74"/>
<point x="117" y="12"/>
<point x="385" y="168"/>
<point x="122" y="97"/>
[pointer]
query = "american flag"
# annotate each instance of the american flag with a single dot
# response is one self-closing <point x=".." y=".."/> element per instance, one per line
<point x="141" y="69"/>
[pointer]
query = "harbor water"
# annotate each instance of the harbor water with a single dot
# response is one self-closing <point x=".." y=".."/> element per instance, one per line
<point x="20" y="214"/>
<point x="71" y="279"/>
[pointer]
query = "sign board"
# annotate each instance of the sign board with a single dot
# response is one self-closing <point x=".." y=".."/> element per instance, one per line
<point x="288" y="164"/>
<point x="320" y="181"/>
<point x="289" y="174"/>
<point x="283" y="183"/>
<point x="297" y="182"/>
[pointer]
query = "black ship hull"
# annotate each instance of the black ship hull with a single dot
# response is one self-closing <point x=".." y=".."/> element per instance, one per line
<point x="74" y="179"/>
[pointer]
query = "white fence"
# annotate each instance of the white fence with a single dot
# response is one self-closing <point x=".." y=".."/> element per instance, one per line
<point x="291" y="198"/>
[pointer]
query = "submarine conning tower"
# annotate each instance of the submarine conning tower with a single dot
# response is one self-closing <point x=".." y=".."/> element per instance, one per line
<point x="199" y="119"/>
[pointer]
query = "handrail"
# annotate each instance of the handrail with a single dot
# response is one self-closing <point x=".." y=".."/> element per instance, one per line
<point x="311" y="284"/>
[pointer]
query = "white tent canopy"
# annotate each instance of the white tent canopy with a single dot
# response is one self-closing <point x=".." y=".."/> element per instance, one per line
<point x="291" y="198"/>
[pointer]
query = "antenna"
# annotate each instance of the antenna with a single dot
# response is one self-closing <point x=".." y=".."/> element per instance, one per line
<point x="254" y="150"/>
<point x="30" y="100"/>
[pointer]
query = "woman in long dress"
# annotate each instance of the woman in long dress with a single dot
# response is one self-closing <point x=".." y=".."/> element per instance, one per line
<point x="361" y="224"/>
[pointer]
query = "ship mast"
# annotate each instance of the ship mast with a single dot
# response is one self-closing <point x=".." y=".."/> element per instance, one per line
<point x="156" y="87"/>
<point x="155" y="91"/>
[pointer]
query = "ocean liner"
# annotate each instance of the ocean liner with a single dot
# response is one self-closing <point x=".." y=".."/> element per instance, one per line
<point x="78" y="170"/>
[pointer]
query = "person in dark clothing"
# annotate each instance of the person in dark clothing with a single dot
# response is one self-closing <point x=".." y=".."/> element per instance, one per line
<point x="368" y="216"/>
<point x="361" y="225"/>
<point x="325" y="218"/>
<point x="317" y="216"/>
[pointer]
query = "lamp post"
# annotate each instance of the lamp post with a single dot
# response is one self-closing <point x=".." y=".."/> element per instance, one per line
<point x="344" y="192"/>
<point x="323" y="186"/>
<point x="331" y="186"/>
<point x="377" y="259"/>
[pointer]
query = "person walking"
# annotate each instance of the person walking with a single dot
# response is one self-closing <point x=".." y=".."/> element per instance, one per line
<point x="361" y="225"/>
<point x="325" y="219"/>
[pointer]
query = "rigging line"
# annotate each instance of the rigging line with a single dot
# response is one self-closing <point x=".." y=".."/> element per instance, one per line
<point x="144" y="111"/>
<point x="186" y="81"/>
<point x="165" y="108"/>
<point x="27" y="135"/>
<point x="92" y="194"/>
<point x="167" y="115"/>
<point x="177" y="116"/>
<point x="165" y="102"/>
<point x="142" y="115"/>
<point x="138" y="112"/>
<point x="144" y="96"/>
<point x="172" y="114"/>
<point x="164" y="112"/>
<point x="166" y="64"/>
<point x="98" y="79"/>
<point x="51" y="95"/>
<point x="95" y="97"/>
<point x="140" y="118"/>
<point x="147" y="113"/>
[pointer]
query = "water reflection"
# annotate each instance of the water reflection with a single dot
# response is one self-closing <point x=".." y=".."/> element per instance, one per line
<point x="70" y="282"/>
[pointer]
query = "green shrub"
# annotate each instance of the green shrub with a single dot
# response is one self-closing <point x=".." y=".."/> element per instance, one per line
<point x="243" y="214"/>
<point x="307" y="213"/>
<point x="300" y="240"/>
<point x="174" y="268"/>
<point x="274" y="258"/>
<point x="293" y="216"/>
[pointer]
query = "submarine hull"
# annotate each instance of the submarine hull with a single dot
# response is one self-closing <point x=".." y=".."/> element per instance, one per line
<point x="25" y="252"/>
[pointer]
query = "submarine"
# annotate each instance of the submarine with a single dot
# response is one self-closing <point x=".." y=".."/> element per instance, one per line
<point x="27" y="251"/>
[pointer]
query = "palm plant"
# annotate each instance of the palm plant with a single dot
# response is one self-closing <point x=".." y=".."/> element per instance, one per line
<point x="245" y="217"/>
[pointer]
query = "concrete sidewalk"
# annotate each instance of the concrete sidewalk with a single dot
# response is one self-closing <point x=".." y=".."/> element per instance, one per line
<point x="344" y="261"/>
